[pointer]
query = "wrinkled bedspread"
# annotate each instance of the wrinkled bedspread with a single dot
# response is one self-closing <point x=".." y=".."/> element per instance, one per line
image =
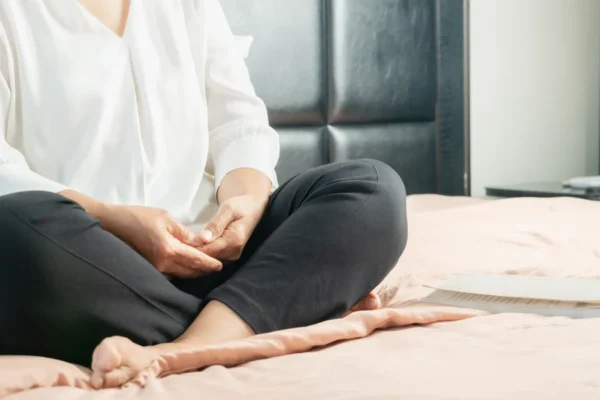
<point x="417" y="351"/>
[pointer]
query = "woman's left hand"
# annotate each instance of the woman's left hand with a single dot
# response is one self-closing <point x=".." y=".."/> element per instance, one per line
<point x="227" y="233"/>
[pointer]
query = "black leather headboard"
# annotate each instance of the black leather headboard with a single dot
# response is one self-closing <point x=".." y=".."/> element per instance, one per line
<point x="347" y="79"/>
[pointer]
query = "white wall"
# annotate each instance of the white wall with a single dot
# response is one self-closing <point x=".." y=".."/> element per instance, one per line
<point x="535" y="90"/>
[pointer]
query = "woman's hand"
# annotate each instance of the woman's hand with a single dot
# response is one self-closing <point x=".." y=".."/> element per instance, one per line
<point x="243" y="195"/>
<point x="227" y="233"/>
<point x="157" y="236"/>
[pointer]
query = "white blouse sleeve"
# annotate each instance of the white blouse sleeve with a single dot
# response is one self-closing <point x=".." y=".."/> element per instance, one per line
<point x="240" y="135"/>
<point x="15" y="175"/>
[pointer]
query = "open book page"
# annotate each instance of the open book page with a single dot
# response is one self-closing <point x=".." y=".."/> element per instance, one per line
<point x="568" y="297"/>
<point x="525" y="287"/>
<point x="498" y="304"/>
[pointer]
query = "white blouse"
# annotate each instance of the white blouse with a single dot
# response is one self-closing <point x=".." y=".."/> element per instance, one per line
<point x="157" y="117"/>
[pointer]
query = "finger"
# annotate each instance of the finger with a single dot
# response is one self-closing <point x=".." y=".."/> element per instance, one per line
<point x="181" y="232"/>
<point x="216" y="226"/>
<point x="230" y="245"/>
<point x="193" y="258"/>
<point x="181" y="271"/>
<point x="217" y="249"/>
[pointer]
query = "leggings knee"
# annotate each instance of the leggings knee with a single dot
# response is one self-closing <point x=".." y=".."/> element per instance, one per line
<point x="27" y="200"/>
<point x="40" y="208"/>
<point x="26" y="217"/>
<point x="388" y="205"/>
<point x="385" y="204"/>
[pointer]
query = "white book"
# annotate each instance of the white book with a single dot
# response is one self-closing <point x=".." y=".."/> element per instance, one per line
<point x="569" y="297"/>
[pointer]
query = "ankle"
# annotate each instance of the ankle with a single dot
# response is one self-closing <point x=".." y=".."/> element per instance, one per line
<point x="186" y="340"/>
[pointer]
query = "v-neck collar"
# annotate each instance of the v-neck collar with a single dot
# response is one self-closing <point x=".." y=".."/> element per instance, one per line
<point x="88" y="15"/>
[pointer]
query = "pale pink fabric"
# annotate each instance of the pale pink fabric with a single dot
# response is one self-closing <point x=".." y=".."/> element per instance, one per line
<point x="483" y="357"/>
<point x="354" y="326"/>
<point x="18" y="373"/>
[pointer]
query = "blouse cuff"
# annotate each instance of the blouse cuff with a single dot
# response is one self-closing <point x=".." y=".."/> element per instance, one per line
<point x="15" y="178"/>
<point x="247" y="152"/>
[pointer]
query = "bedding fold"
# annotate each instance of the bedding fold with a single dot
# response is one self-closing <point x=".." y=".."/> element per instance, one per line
<point x="356" y="325"/>
<point x="439" y="352"/>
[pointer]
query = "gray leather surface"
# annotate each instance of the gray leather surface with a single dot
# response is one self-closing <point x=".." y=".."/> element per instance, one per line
<point x="408" y="148"/>
<point x="346" y="79"/>
<point x="301" y="149"/>
<point x="383" y="59"/>
<point x="453" y="110"/>
<point x="286" y="60"/>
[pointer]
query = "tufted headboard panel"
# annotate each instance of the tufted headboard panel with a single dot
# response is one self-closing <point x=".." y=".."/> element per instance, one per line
<point x="346" y="79"/>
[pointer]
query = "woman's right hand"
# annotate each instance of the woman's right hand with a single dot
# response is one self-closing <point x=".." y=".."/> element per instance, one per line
<point x="157" y="236"/>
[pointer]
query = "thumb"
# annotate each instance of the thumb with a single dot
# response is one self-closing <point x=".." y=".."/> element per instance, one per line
<point x="216" y="226"/>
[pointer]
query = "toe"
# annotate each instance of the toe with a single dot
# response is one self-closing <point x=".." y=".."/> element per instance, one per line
<point x="118" y="377"/>
<point x="97" y="380"/>
<point x="117" y="360"/>
<point x="373" y="301"/>
<point x="107" y="356"/>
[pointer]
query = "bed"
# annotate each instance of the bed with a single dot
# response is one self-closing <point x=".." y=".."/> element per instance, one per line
<point x="384" y="79"/>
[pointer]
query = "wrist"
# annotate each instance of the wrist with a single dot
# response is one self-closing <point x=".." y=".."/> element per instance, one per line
<point x="245" y="182"/>
<point x="110" y="216"/>
<point x="96" y="208"/>
<point x="261" y="198"/>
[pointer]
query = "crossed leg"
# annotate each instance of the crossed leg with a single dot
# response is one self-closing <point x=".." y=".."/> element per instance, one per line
<point x="328" y="237"/>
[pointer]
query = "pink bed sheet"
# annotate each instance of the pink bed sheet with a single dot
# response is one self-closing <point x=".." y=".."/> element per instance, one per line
<point x="418" y="351"/>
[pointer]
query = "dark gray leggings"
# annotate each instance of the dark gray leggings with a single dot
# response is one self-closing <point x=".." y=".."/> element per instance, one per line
<point x="328" y="237"/>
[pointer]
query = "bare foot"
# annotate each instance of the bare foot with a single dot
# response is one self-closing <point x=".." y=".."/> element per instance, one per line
<point x="117" y="360"/>
<point x="371" y="302"/>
